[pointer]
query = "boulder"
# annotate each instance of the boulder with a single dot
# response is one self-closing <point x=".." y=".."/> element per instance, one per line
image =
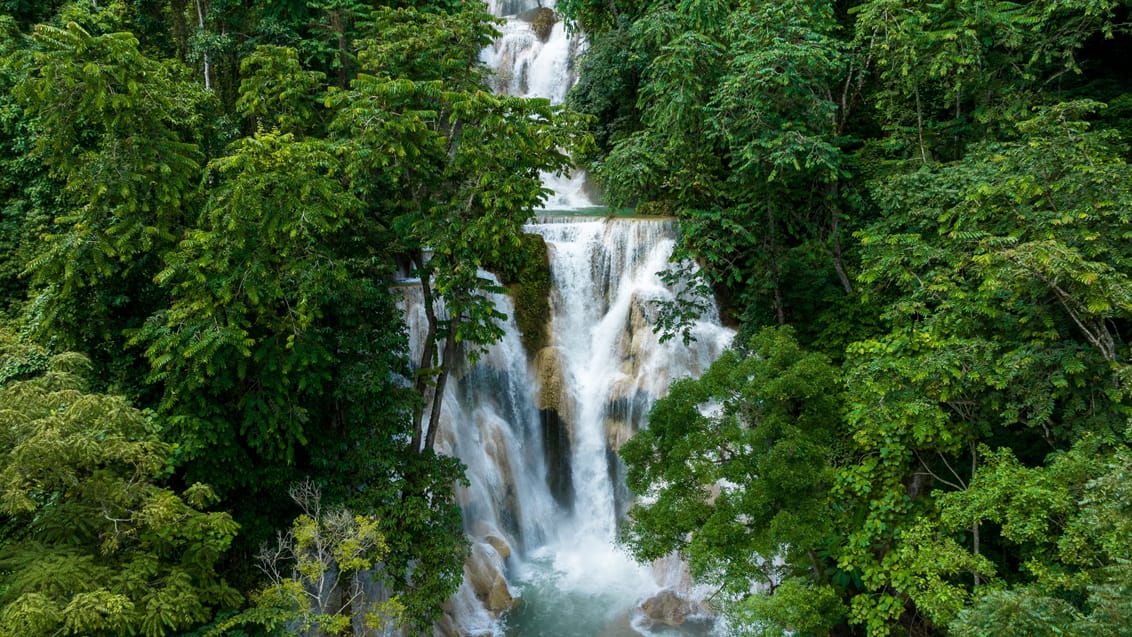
<point x="500" y="545"/>
<point x="542" y="21"/>
<point x="484" y="573"/>
<point x="668" y="608"/>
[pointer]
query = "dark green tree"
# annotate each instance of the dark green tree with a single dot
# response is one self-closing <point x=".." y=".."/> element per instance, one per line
<point x="735" y="471"/>
<point x="450" y="168"/>
<point x="1008" y="282"/>
<point x="116" y="129"/>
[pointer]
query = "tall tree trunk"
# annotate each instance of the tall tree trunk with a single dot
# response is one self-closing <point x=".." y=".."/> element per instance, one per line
<point x="441" y="382"/>
<point x="835" y="240"/>
<point x="180" y="27"/>
<point x="975" y="524"/>
<point x="772" y="250"/>
<point x="426" y="362"/>
<point x="207" y="65"/>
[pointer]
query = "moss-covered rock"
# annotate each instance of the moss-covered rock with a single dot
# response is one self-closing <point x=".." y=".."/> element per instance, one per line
<point x="526" y="273"/>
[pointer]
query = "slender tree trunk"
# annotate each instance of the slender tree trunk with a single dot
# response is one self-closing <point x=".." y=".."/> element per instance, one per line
<point x="975" y="524"/>
<point x="920" y="126"/>
<point x="180" y="28"/>
<point x="835" y="241"/>
<point x="441" y="382"/>
<point x="207" y="65"/>
<point x="779" y="304"/>
<point x="427" y="355"/>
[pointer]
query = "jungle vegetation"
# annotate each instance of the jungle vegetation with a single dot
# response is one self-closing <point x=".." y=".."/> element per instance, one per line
<point x="203" y="206"/>
<point x="917" y="214"/>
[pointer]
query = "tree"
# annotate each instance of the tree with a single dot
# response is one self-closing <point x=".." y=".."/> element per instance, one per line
<point x="276" y="91"/>
<point x="739" y="128"/>
<point x="116" y="129"/>
<point x="244" y="351"/>
<point x="735" y="470"/>
<point x="1009" y="299"/>
<point x="1069" y="522"/>
<point x="451" y="169"/>
<point x="283" y="352"/>
<point x="92" y="543"/>
<point x="319" y="573"/>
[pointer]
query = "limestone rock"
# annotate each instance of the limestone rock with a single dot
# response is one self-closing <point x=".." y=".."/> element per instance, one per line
<point x="499" y="598"/>
<point x="500" y="545"/>
<point x="542" y="21"/>
<point x="548" y="368"/>
<point x="484" y="572"/>
<point x="668" y="608"/>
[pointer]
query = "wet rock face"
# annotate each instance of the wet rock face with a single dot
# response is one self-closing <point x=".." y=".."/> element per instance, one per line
<point x="548" y="366"/>
<point x="668" y="608"/>
<point x="554" y="417"/>
<point x="484" y="572"/>
<point x="500" y="545"/>
<point x="542" y="21"/>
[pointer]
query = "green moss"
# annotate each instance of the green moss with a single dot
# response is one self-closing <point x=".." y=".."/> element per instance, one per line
<point x="526" y="273"/>
<point x="656" y="208"/>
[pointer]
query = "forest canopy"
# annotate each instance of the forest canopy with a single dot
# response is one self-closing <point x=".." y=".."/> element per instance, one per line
<point x="917" y="215"/>
<point x="203" y="206"/>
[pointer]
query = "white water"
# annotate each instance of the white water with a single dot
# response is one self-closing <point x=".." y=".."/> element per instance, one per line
<point x="524" y="65"/>
<point x="553" y="548"/>
<point x="562" y="560"/>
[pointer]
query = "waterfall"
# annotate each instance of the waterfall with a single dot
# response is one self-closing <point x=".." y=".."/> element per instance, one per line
<point x="539" y="431"/>
<point x="534" y="56"/>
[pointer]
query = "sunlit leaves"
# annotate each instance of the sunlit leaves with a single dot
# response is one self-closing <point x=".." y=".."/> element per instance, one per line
<point x="276" y="91"/>
<point x="95" y="546"/>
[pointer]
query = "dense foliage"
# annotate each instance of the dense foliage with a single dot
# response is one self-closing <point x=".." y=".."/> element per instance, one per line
<point x="917" y="214"/>
<point x="210" y="201"/>
<point x="935" y="196"/>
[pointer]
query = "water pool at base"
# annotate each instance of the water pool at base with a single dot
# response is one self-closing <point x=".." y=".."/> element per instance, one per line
<point x="587" y="593"/>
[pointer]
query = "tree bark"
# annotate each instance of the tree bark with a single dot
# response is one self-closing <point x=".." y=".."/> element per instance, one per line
<point x="427" y="355"/>
<point x="772" y="250"/>
<point x="441" y="382"/>
<point x="207" y="66"/>
<point x="835" y="241"/>
<point x="180" y="28"/>
<point x="975" y="524"/>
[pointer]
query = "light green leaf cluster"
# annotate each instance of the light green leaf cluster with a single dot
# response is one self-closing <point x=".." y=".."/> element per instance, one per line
<point x="93" y="545"/>
<point x="319" y="571"/>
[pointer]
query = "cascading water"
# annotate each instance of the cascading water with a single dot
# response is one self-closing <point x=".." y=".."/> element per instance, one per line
<point x="534" y="57"/>
<point x="606" y="367"/>
<point x="538" y="431"/>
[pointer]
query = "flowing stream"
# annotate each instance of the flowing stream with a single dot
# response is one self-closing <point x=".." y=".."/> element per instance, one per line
<point x="538" y="431"/>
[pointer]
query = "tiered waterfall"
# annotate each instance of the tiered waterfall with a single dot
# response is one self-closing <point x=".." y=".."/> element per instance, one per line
<point x="538" y="431"/>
